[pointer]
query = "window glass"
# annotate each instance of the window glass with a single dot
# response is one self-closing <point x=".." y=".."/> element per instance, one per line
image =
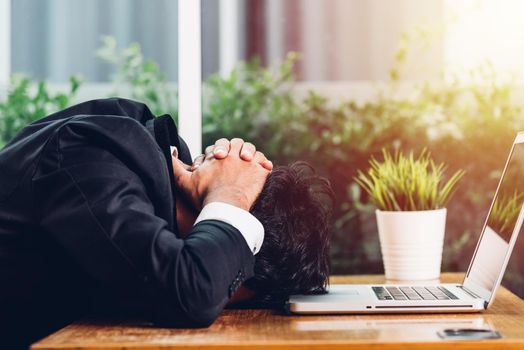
<point x="54" y="39"/>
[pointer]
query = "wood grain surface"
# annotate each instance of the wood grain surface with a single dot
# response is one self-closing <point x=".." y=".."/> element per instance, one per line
<point x="270" y="329"/>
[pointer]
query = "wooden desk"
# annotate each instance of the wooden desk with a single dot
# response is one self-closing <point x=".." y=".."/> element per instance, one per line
<point x="265" y="329"/>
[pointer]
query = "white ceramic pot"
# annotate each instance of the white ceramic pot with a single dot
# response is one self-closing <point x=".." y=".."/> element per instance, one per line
<point x="411" y="243"/>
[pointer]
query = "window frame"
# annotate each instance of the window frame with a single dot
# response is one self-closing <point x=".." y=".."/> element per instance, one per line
<point x="5" y="46"/>
<point x="190" y="74"/>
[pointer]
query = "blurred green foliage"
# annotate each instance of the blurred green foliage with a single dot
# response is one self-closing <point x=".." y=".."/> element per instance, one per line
<point x="505" y="212"/>
<point x="139" y="78"/>
<point x="468" y="123"/>
<point x="250" y="100"/>
<point x="28" y="101"/>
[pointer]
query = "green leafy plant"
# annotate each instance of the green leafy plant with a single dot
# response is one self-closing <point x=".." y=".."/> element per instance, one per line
<point x="248" y="101"/>
<point x="406" y="183"/>
<point x="139" y="78"/>
<point x="28" y="101"/>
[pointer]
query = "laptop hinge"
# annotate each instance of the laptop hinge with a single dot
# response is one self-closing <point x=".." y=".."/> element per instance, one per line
<point x="473" y="295"/>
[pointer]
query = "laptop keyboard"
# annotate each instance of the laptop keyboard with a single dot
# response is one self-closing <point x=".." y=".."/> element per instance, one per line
<point x="413" y="293"/>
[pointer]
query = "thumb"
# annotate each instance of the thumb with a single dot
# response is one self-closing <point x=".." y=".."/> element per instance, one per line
<point x="181" y="173"/>
<point x="184" y="182"/>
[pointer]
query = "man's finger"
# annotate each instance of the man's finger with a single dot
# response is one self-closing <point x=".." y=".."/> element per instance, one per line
<point x="198" y="161"/>
<point x="248" y="151"/>
<point x="267" y="164"/>
<point x="209" y="149"/>
<point x="222" y="148"/>
<point x="261" y="159"/>
<point x="236" y="146"/>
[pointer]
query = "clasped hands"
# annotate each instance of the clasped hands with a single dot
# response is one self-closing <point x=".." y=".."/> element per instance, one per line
<point x="232" y="172"/>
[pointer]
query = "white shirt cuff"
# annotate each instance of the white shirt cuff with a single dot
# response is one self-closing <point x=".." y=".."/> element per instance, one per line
<point x="249" y="226"/>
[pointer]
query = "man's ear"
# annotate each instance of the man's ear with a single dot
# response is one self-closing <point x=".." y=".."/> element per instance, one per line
<point x="174" y="151"/>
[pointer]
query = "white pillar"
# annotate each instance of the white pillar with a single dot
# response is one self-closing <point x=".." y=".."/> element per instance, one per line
<point x="190" y="74"/>
<point x="229" y="36"/>
<point x="5" y="46"/>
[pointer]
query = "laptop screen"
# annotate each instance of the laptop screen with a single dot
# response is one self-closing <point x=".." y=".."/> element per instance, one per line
<point x="504" y="221"/>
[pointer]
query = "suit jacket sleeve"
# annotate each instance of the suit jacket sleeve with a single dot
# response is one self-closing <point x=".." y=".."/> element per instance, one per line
<point x="100" y="212"/>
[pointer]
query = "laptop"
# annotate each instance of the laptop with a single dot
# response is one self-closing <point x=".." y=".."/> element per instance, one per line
<point x="477" y="291"/>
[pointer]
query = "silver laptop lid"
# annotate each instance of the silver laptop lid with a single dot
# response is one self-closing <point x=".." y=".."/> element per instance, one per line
<point x="501" y="228"/>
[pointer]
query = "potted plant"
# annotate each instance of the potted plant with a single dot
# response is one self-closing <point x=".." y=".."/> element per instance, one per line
<point x="410" y="195"/>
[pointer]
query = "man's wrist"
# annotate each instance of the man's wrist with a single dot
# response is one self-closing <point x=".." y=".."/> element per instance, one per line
<point x="232" y="196"/>
<point x="247" y="224"/>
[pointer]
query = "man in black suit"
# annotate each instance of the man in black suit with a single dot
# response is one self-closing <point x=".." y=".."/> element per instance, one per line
<point x="97" y="213"/>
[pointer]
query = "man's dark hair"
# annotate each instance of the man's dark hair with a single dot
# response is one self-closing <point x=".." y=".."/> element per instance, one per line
<point x="295" y="209"/>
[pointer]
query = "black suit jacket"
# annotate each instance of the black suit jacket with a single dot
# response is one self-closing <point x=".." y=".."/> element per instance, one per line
<point x="88" y="220"/>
